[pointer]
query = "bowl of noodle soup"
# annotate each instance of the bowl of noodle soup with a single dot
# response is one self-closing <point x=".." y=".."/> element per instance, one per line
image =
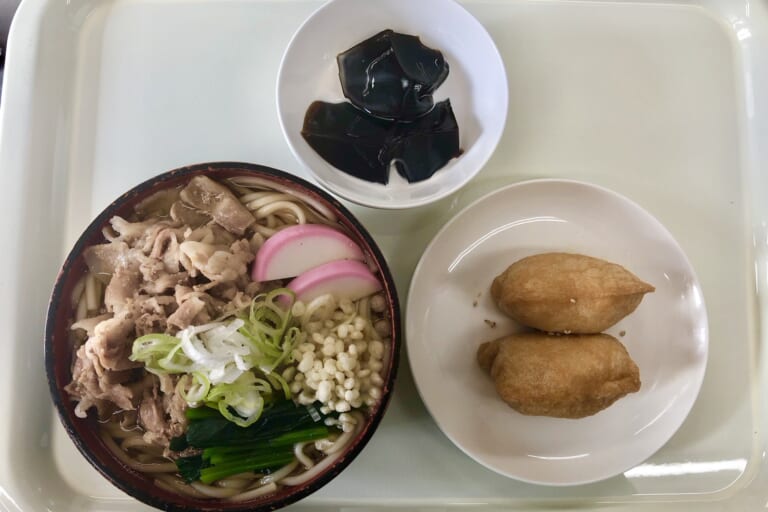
<point x="190" y="384"/>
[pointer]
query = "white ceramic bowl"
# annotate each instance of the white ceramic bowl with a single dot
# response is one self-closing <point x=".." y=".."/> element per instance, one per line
<point x="476" y="86"/>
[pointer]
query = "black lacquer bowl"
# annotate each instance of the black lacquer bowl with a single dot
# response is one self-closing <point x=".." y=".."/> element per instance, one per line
<point x="58" y="351"/>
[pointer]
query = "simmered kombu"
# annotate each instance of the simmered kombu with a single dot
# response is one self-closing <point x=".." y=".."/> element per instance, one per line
<point x="427" y="144"/>
<point x="392" y="75"/>
<point x="392" y="119"/>
<point x="365" y="147"/>
<point x="349" y="139"/>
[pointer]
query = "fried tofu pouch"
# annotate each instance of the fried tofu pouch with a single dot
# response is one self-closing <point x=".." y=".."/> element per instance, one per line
<point x="567" y="293"/>
<point x="560" y="376"/>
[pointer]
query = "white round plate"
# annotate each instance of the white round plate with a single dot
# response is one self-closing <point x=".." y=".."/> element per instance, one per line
<point x="449" y="302"/>
<point x="476" y="86"/>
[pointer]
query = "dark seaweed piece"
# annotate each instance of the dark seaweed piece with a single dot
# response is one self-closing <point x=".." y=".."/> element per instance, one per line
<point x="392" y="75"/>
<point x="427" y="144"/>
<point x="364" y="146"/>
<point x="349" y="139"/>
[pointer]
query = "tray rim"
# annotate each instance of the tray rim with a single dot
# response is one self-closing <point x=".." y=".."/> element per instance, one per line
<point x="23" y="42"/>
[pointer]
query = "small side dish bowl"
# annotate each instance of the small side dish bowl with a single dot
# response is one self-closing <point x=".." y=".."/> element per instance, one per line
<point x="267" y="187"/>
<point x="476" y="86"/>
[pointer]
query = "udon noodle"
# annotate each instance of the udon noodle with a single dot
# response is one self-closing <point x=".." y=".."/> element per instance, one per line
<point x="359" y="329"/>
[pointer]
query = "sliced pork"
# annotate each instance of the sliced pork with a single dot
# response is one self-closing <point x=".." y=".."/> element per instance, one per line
<point x="182" y="260"/>
<point x="218" y="201"/>
<point x="112" y="341"/>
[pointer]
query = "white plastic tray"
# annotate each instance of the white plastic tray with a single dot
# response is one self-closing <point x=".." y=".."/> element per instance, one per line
<point x="664" y="103"/>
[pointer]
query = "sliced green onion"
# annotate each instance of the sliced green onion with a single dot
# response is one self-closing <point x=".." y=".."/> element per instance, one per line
<point x="151" y="348"/>
<point x="176" y="361"/>
<point x="279" y="382"/>
<point x="223" y="362"/>
<point x="198" y="388"/>
<point x="266" y="327"/>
